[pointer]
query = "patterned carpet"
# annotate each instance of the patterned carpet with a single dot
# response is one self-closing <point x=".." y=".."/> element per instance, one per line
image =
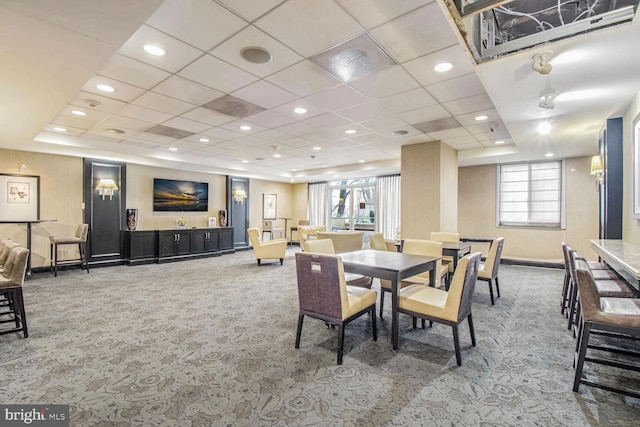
<point x="211" y="342"/>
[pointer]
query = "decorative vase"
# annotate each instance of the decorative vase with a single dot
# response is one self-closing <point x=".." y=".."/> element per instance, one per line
<point x="223" y="218"/>
<point x="132" y="219"/>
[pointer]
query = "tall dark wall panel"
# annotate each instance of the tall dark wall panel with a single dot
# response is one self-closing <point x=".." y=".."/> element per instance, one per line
<point x="238" y="212"/>
<point x="611" y="148"/>
<point x="106" y="217"/>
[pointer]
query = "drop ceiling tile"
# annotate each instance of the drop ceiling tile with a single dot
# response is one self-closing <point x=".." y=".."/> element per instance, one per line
<point x="337" y="98"/>
<point x="303" y="79"/>
<point x="222" y="134"/>
<point x="460" y="87"/>
<point x="91" y="114"/>
<point x="469" y="118"/>
<point x="210" y="117"/>
<point x="360" y="130"/>
<point x="235" y="127"/>
<point x="388" y="124"/>
<point x="104" y="104"/>
<point x="184" y="145"/>
<point x="187" y="90"/>
<point x="251" y="9"/>
<point x="272" y="135"/>
<point x="387" y="82"/>
<point x="326" y="121"/>
<point x="466" y="146"/>
<point x="428" y="114"/>
<point x="231" y="52"/>
<point x="410" y="100"/>
<point x="270" y="119"/>
<point x="422" y="68"/>
<point x="178" y="54"/>
<point x="102" y="131"/>
<point x="192" y="22"/>
<point x="119" y="122"/>
<point x="186" y="124"/>
<point x="155" y="101"/>
<point x="125" y="69"/>
<point x="415" y="34"/>
<point x="123" y="91"/>
<point x="145" y="114"/>
<point x="288" y="109"/>
<point x="75" y="122"/>
<point x="217" y="74"/>
<point x="69" y="130"/>
<point x="154" y="138"/>
<point x="491" y="136"/>
<point x="264" y="94"/>
<point x="215" y="150"/>
<point x="458" y="132"/>
<point x="322" y="137"/>
<point x="371" y="13"/>
<point x="366" y="111"/>
<point x="469" y="104"/>
<point x="301" y="25"/>
<point x="297" y="129"/>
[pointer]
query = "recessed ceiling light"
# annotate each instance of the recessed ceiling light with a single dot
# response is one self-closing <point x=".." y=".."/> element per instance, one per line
<point x="442" y="67"/>
<point x="277" y="156"/>
<point x="360" y="161"/>
<point x="78" y="113"/>
<point x="350" y="131"/>
<point x="105" y="88"/>
<point x="317" y="148"/>
<point x="299" y="110"/>
<point x="245" y="127"/>
<point x="544" y="128"/>
<point x="173" y="149"/>
<point x="59" y="129"/>
<point x="399" y="133"/>
<point x="549" y="155"/>
<point x="113" y="130"/>
<point x="204" y="140"/>
<point x="292" y="180"/>
<point x="245" y="161"/>
<point x="499" y="142"/>
<point x="481" y="117"/>
<point x="154" y="49"/>
<point x="256" y="55"/>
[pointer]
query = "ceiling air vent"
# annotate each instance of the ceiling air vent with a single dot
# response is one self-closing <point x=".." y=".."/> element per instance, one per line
<point x="168" y="131"/>
<point x="232" y="106"/>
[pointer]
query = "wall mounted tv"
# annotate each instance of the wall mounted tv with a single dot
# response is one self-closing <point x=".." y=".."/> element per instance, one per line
<point x="180" y="196"/>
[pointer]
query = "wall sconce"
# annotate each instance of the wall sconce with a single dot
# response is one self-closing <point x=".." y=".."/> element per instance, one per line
<point x="597" y="170"/>
<point x="106" y="187"/>
<point x="239" y="196"/>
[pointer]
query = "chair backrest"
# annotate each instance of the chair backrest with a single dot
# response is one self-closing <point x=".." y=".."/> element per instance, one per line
<point x="15" y="267"/>
<point x="6" y="249"/>
<point x="589" y="295"/>
<point x="343" y="241"/>
<point x="492" y="262"/>
<point x="376" y="241"/>
<point x="319" y="246"/>
<point x="321" y="285"/>
<point x="425" y="248"/>
<point x="82" y="231"/>
<point x="444" y="236"/>
<point x="303" y="222"/>
<point x="565" y="256"/>
<point x="267" y="225"/>
<point x="463" y="285"/>
<point x="254" y="236"/>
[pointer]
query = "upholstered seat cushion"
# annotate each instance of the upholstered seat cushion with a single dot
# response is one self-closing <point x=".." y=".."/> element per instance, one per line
<point x="426" y="300"/>
<point x="359" y="299"/>
<point x="620" y="306"/>
<point x="614" y="288"/>
<point x="353" y="279"/>
<point x="485" y="273"/>
<point x="423" y="278"/>
<point x="604" y="274"/>
<point x="65" y="239"/>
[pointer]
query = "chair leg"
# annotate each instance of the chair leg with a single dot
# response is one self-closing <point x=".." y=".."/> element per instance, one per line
<point x="374" y="323"/>
<point x="456" y="344"/>
<point x="281" y="261"/>
<point x="83" y="256"/>
<point x="258" y="262"/>
<point x="299" y="331"/>
<point x="382" y="301"/>
<point x="572" y="306"/>
<point x="415" y="322"/>
<point x="471" y="331"/>
<point x="497" y="287"/>
<point x="55" y="260"/>
<point x="340" y="342"/>
<point x="51" y="258"/>
<point x="491" y="292"/>
<point x="565" y="289"/>
<point x="582" y="352"/>
<point x="19" y="306"/>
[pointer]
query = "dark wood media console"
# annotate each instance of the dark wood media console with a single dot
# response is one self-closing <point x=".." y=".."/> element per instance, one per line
<point x="158" y="246"/>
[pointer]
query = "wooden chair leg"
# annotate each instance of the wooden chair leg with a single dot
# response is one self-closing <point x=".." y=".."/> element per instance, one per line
<point x="382" y="301"/>
<point x="340" y="342"/>
<point x="299" y="331"/>
<point x="582" y="352"/>
<point x="456" y="344"/>
<point x="471" y="331"/>
<point x="491" y="292"/>
<point x="374" y="323"/>
<point x="281" y="261"/>
<point x="497" y="287"/>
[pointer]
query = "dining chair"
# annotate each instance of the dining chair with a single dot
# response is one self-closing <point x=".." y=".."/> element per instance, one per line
<point x="417" y="247"/>
<point x="612" y="317"/>
<point x="11" y="282"/>
<point x="272" y="249"/>
<point x="7" y="246"/>
<point x="489" y="269"/>
<point x="80" y="239"/>
<point x="377" y="242"/>
<point x="443" y="236"/>
<point x="325" y="246"/>
<point x="450" y="307"/>
<point x="323" y="294"/>
<point x="267" y="227"/>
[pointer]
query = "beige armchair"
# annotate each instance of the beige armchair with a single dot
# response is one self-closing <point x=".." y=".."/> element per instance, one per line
<point x="273" y="249"/>
<point x="309" y="232"/>
<point x="11" y="281"/>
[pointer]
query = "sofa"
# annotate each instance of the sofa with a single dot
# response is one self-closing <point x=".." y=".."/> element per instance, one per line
<point x="309" y="232"/>
<point x="343" y="241"/>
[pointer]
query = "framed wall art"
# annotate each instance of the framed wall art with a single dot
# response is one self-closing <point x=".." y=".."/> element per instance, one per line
<point x="19" y="197"/>
<point x="269" y="206"/>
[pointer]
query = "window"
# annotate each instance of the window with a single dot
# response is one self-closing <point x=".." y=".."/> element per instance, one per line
<point x="530" y="195"/>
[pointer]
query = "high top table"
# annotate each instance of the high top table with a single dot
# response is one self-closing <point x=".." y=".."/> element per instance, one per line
<point x="622" y="256"/>
<point x="29" y="223"/>
<point x="393" y="266"/>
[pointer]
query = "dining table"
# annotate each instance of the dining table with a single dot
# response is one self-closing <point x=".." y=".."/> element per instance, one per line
<point x="622" y="256"/>
<point x="392" y="266"/>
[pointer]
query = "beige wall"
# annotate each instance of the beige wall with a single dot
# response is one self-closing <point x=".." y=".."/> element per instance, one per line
<point x="630" y="226"/>
<point x="477" y="213"/>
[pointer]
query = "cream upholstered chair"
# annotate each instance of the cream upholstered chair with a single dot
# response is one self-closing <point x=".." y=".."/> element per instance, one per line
<point x="325" y="246"/>
<point x="343" y="241"/>
<point x="489" y="269"/>
<point x="324" y="294"/>
<point x="417" y="247"/>
<point x="5" y="248"/>
<point x="443" y="236"/>
<point x="267" y="227"/>
<point x="11" y="281"/>
<point x="80" y="239"/>
<point x="447" y="307"/>
<point x="377" y="242"/>
<point x="272" y="249"/>
<point x="309" y="232"/>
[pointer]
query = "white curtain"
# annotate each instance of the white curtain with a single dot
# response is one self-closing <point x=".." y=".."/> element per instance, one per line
<point x="388" y="205"/>
<point x="318" y="199"/>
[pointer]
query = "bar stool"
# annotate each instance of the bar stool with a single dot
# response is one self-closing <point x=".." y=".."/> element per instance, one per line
<point x="267" y="227"/>
<point x="79" y="239"/>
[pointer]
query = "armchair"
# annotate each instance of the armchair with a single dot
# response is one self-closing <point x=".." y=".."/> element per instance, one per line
<point x="273" y="249"/>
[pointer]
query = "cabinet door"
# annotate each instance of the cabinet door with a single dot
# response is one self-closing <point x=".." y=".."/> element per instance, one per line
<point x="199" y="241"/>
<point x="213" y="244"/>
<point x="141" y="244"/>
<point x="183" y="244"/>
<point x="166" y="243"/>
<point x="226" y="238"/>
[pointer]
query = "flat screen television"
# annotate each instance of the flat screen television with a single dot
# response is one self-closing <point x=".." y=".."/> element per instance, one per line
<point x="180" y="196"/>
